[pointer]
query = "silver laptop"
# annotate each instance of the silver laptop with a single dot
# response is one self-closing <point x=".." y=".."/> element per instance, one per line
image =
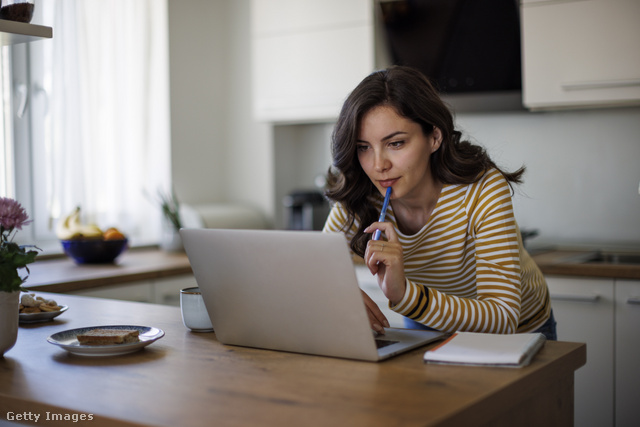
<point x="290" y="291"/>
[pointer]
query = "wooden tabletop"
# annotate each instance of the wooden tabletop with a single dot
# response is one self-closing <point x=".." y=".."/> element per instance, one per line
<point x="190" y="379"/>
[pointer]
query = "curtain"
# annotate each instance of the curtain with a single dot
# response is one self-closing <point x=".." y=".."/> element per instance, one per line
<point x="105" y="126"/>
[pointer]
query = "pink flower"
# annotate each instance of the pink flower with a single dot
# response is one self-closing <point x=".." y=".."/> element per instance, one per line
<point x="12" y="214"/>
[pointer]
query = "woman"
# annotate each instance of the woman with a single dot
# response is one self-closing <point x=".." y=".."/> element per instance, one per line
<point x="452" y="258"/>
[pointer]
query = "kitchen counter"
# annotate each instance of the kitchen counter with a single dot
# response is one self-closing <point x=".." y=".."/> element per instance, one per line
<point x="566" y="262"/>
<point x="191" y="380"/>
<point x="64" y="275"/>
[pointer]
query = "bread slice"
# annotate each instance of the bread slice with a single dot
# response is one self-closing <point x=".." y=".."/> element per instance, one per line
<point x="108" y="336"/>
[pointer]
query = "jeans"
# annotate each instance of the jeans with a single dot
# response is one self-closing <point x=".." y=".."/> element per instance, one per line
<point x="548" y="329"/>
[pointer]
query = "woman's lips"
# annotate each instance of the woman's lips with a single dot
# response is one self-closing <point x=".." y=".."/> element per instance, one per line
<point x="387" y="182"/>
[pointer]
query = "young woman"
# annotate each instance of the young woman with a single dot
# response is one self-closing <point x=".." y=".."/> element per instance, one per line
<point x="452" y="257"/>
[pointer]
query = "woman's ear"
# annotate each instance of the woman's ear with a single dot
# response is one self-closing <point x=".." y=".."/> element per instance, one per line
<point x="436" y="139"/>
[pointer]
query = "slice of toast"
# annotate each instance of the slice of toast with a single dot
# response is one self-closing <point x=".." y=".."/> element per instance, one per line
<point x="108" y="336"/>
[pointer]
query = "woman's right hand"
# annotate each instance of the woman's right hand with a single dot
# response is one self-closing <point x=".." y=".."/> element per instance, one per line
<point x="377" y="320"/>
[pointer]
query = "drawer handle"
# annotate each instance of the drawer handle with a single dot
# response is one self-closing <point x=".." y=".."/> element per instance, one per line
<point x="576" y="298"/>
<point x="633" y="300"/>
<point x="604" y="84"/>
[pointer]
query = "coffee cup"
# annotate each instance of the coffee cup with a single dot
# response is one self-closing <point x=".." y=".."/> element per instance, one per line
<point x="194" y="312"/>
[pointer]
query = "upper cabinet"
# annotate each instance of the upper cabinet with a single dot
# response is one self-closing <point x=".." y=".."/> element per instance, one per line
<point x="308" y="55"/>
<point x="12" y="32"/>
<point x="580" y="53"/>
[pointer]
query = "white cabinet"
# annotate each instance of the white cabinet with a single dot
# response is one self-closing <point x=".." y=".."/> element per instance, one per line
<point x="580" y="53"/>
<point x="138" y="291"/>
<point x="627" y="352"/>
<point x="584" y="310"/>
<point x="308" y="55"/>
<point x="604" y="314"/>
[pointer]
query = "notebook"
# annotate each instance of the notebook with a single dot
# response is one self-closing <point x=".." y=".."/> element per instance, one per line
<point x="293" y="291"/>
<point x="483" y="349"/>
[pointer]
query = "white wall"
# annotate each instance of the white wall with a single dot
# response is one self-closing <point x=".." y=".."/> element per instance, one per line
<point x="583" y="171"/>
<point x="581" y="186"/>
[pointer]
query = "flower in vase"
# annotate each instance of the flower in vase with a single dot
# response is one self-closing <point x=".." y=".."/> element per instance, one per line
<point x="13" y="257"/>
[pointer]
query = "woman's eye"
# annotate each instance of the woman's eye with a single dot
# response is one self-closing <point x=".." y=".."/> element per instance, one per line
<point x="362" y="147"/>
<point x="396" y="143"/>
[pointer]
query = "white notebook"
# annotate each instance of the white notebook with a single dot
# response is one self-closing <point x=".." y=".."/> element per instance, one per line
<point x="482" y="349"/>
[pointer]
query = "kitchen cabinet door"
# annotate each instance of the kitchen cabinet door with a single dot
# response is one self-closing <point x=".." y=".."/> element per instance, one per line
<point x="307" y="56"/>
<point x="584" y="310"/>
<point x="627" y="352"/>
<point x="580" y="53"/>
<point x="137" y="291"/>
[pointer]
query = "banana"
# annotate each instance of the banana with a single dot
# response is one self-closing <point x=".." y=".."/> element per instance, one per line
<point x="63" y="227"/>
<point x="70" y="227"/>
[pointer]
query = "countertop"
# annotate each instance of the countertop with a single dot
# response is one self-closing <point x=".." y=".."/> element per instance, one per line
<point x="64" y="275"/>
<point x="192" y="380"/>
<point x="568" y="262"/>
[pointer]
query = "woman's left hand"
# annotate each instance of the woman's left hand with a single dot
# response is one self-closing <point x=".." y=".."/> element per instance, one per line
<point x="384" y="258"/>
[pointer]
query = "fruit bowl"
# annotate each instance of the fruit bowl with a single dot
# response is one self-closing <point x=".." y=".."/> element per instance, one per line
<point x="94" y="251"/>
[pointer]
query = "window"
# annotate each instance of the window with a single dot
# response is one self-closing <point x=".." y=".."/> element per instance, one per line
<point x="94" y="131"/>
<point x="6" y="149"/>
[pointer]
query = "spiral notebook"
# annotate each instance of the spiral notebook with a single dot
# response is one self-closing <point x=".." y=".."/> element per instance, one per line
<point x="482" y="349"/>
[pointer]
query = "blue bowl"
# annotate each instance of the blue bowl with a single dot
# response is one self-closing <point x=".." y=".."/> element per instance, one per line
<point x="94" y="251"/>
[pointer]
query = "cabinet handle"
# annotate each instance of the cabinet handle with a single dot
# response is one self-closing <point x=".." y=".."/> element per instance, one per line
<point x="576" y="298"/>
<point x="633" y="300"/>
<point x="602" y="84"/>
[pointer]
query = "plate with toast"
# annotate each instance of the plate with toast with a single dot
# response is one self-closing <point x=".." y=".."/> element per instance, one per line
<point x="111" y="340"/>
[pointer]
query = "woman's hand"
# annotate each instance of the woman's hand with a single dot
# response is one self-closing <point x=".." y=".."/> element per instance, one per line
<point x="384" y="258"/>
<point x="376" y="318"/>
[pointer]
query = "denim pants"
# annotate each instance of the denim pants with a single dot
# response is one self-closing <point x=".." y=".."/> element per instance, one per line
<point x="548" y="329"/>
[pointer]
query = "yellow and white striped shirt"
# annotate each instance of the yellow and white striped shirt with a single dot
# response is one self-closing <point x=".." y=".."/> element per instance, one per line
<point x="467" y="269"/>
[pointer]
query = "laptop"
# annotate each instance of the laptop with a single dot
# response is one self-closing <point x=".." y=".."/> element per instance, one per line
<point x="293" y="291"/>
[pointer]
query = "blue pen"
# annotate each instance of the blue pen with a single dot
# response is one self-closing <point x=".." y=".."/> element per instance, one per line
<point x="383" y="213"/>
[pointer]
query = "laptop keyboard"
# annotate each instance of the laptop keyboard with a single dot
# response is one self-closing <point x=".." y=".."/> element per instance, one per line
<point x="383" y="343"/>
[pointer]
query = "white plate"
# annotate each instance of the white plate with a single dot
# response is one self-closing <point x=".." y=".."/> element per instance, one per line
<point x="68" y="341"/>
<point x="43" y="316"/>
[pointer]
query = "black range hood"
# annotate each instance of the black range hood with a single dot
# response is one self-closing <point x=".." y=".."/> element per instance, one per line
<point x="470" y="49"/>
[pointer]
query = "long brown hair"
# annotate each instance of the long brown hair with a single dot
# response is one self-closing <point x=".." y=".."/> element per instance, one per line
<point x="413" y="96"/>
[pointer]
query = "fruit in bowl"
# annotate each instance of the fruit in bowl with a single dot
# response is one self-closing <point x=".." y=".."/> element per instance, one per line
<point x="87" y="243"/>
<point x="94" y="251"/>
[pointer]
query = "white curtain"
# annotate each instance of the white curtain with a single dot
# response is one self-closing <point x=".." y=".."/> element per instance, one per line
<point x="106" y="123"/>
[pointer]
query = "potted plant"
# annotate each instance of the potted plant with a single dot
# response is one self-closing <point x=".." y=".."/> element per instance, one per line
<point x="13" y="258"/>
<point x="171" y="241"/>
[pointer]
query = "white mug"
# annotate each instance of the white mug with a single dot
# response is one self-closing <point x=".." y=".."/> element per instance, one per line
<point x="194" y="312"/>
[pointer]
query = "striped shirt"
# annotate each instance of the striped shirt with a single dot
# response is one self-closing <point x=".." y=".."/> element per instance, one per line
<point x="467" y="269"/>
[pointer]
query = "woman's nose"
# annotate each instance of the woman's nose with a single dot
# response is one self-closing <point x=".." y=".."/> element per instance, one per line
<point x="381" y="162"/>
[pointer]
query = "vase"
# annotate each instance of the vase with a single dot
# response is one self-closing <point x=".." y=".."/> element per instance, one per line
<point x="9" y="315"/>
<point x="171" y="240"/>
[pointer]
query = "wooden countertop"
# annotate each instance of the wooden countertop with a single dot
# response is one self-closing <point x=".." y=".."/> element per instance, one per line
<point x="567" y="263"/>
<point x="64" y="275"/>
<point x="191" y="380"/>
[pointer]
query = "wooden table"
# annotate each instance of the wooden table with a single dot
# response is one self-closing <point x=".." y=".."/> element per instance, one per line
<point x="190" y="379"/>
